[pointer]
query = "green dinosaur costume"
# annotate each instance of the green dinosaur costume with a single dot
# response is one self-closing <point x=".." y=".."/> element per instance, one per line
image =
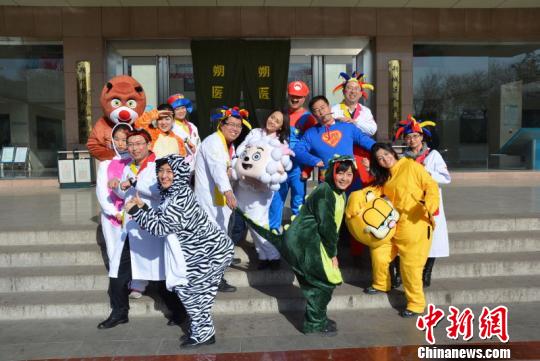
<point x="309" y="244"/>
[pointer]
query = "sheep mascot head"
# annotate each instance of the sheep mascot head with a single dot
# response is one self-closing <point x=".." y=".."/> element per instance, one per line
<point x="264" y="162"/>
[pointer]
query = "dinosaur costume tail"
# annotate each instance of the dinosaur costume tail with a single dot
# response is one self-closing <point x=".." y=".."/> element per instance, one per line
<point x="277" y="239"/>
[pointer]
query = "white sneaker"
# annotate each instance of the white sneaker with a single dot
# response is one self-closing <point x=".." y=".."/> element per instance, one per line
<point x="135" y="294"/>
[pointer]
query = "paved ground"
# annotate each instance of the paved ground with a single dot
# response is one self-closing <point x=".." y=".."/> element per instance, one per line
<point x="53" y="208"/>
<point x="277" y="332"/>
<point x="42" y="208"/>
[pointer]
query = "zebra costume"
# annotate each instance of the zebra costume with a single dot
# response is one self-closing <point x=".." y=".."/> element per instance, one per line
<point x="206" y="249"/>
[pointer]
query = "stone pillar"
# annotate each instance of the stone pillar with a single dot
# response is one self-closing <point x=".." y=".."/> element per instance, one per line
<point x="393" y="48"/>
<point x="83" y="40"/>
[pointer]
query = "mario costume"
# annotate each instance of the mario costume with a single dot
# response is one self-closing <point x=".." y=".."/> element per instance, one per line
<point x="300" y="120"/>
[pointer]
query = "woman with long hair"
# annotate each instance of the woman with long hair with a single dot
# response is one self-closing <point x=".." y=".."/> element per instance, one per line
<point x="415" y="195"/>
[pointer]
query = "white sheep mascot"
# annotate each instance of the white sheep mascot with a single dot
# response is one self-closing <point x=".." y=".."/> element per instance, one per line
<point x="262" y="159"/>
<point x="261" y="166"/>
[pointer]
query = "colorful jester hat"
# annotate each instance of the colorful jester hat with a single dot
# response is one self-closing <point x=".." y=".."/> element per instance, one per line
<point x="224" y="112"/>
<point x="354" y="77"/>
<point x="410" y="125"/>
<point x="178" y="100"/>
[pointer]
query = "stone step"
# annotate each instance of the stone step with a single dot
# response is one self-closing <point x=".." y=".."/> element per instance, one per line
<point x="84" y="278"/>
<point x="493" y="224"/>
<point x="272" y="299"/>
<point x="494" y="242"/>
<point x="51" y="255"/>
<point x="90" y="254"/>
<point x="88" y="235"/>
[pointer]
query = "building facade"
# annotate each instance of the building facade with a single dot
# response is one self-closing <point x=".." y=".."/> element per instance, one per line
<point x="474" y="71"/>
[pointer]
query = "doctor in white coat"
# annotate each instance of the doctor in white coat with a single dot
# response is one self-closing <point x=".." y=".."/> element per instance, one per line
<point x="213" y="187"/>
<point x="413" y="134"/>
<point x="138" y="254"/>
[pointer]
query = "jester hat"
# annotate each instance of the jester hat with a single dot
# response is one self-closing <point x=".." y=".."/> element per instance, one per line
<point x="224" y="112"/>
<point x="354" y="77"/>
<point x="410" y="125"/>
<point x="178" y="100"/>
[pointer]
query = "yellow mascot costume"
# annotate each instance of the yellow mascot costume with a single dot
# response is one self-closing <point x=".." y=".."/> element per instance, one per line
<point x="372" y="220"/>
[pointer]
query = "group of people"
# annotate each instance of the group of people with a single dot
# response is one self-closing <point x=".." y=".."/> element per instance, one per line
<point x="170" y="201"/>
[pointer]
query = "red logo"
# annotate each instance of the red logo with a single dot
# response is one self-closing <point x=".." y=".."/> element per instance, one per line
<point x="494" y="323"/>
<point x="332" y="137"/>
<point x="461" y="323"/>
<point x="429" y="321"/>
<point x="490" y="323"/>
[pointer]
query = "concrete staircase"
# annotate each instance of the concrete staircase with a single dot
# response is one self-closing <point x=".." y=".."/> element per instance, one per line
<point x="61" y="274"/>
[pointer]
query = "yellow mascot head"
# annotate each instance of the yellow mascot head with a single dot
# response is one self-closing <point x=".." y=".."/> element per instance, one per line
<point x="370" y="217"/>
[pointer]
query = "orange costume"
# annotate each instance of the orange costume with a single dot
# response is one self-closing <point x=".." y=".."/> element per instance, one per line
<point x="123" y="100"/>
<point x="163" y="143"/>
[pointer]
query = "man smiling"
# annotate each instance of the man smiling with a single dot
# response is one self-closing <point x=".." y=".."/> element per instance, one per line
<point x="328" y="138"/>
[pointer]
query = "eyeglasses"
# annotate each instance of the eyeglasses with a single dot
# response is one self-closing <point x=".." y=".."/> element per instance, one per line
<point x="320" y="109"/>
<point x="237" y="126"/>
<point x="133" y="145"/>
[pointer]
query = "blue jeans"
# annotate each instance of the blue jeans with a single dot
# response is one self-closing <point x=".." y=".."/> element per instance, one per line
<point x="298" y="193"/>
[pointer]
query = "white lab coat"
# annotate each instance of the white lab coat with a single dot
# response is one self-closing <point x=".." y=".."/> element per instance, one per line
<point x="211" y="171"/>
<point x="192" y="138"/>
<point x="436" y="167"/>
<point x="111" y="232"/>
<point x="146" y="250"/>
<point x="364" y="121"/>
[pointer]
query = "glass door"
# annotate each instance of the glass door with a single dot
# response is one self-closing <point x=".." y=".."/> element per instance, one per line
<point x="145" y="70"/>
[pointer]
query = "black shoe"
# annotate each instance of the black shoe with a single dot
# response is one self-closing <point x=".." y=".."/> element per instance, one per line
<point x="185" y="337"/>
<point x="372" y="291"/>
<point x="329" y="331"/>
<point x="408" y="314"/>
<point x="395" y="274"/>
<point x="426" y="274"/>
<point x="113" y="321"/>
<point x="225" y="287"/>
<point x="331" y="323"/>
<point x="275" y="264"/>
<point x="191" y="343"/>
<point x="175" y="321"/>
<point x="236" y="261"/>
<point x="263" y="264"/>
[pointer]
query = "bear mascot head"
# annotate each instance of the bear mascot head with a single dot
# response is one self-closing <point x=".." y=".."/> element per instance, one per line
<point x="263" y="163"/>
<point x="370" y="217"/>
<point x="123" y="99"/>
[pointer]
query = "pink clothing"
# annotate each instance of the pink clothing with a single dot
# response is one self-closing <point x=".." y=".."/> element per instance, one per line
<point x="115" y="170"/>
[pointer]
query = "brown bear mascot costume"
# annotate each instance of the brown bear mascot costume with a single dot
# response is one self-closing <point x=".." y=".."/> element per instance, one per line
<point x="122" y="100"/>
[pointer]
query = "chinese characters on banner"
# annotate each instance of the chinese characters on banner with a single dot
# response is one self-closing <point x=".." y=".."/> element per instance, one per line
<point x="491" y="323"/>
<point x="394" y="99"/>
<point x="251" y="74"/>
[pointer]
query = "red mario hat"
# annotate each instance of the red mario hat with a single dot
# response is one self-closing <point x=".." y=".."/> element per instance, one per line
<point x="298" y="88"/>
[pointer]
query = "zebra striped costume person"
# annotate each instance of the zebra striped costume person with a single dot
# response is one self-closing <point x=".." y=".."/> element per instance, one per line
<point x="207" y="250"/>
